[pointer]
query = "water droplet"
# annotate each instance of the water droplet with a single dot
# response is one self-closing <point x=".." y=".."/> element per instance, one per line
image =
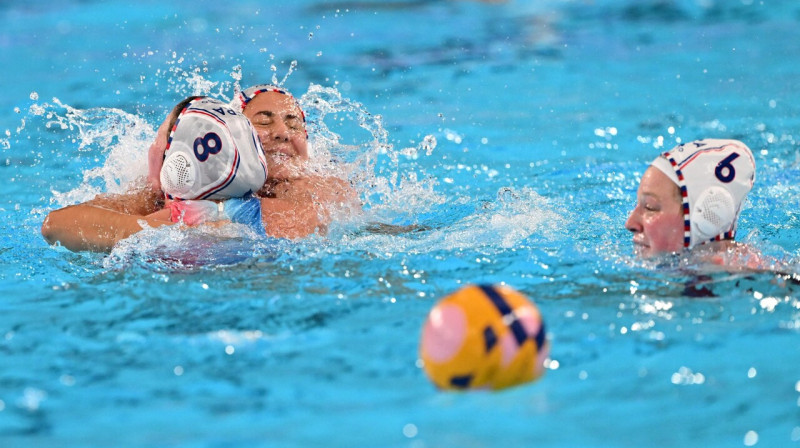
<point x="751" y="438"/>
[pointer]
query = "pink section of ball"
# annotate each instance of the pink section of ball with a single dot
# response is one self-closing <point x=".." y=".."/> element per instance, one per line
<point x="444" y="332"/>
<point x="530" y="319"/>
<point x="508" y="349"/>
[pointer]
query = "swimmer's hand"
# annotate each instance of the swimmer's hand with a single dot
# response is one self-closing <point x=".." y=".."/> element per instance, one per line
<point x="735" y="256"/>
<point x="155" y="155"/>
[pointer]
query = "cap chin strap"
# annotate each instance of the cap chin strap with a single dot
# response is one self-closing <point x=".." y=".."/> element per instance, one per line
<point x="713" y="214"/>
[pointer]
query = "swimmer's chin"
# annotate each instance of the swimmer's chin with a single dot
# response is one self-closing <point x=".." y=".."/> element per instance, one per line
<point x="646" y="252"/>
<point x="642" y="250"/>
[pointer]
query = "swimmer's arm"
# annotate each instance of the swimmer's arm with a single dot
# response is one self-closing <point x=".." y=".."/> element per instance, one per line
<point x="98" y="224"/>
<point x="165" y="214"/>
<point x="88" y="227"/>
<point x="742" y="257"/>
<point x="142" y="201"/>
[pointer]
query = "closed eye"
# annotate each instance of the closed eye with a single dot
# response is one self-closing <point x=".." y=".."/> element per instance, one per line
<point x="263" y="118"/>
<point x="293" y="122"/>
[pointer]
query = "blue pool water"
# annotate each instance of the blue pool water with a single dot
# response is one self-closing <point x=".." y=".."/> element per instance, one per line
<point x="512" y="133"/>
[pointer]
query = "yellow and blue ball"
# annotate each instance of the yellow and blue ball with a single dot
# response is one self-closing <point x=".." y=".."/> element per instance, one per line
<point x="484" y="337"/>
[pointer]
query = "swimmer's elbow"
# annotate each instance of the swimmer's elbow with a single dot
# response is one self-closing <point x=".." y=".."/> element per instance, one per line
<point x="51" y="228"/>
<point x="47" y="230"/>
<point x="55" y="227"/>
<point x="60" y="227"/>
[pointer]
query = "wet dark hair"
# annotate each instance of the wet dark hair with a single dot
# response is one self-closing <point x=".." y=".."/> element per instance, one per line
<point x="176" y="111"/>
<point x="173" y="116"/>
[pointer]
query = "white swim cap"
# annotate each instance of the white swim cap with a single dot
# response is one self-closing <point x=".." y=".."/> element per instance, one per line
<point x="246" y="95"/>
<point x="212" y="153"/>
<point x="714" y="177"/>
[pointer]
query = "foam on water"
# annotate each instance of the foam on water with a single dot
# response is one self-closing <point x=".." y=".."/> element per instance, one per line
<point x="171" y="248"/>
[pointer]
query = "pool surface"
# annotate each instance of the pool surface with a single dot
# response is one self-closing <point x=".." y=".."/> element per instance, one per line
<point x="510" y="136"/>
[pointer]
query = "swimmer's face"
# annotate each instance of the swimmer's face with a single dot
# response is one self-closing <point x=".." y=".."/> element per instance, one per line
<point x="280" y="127"/>
<point x="657" y="220"/>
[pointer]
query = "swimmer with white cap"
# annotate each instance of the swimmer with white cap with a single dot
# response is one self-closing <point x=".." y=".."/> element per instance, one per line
<point x="280" y="125"/>
<point x="295" y="201"/>
<point x="212" y="166"/>
<point x="692" y="195"/>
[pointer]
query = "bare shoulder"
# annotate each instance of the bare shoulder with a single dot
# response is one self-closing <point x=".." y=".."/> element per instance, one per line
<point x="320" y="190"/>
<point x="333" y="189"/>
<point x="289" y="219"/>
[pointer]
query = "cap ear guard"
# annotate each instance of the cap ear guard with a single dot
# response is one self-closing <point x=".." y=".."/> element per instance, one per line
<point x="178" y="175"/>
<point x="713" y="213"/>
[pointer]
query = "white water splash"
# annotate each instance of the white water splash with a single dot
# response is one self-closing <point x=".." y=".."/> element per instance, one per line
<point x="516" y="216"/>
<point x="123" y="138"/>
<point x="346" y="141"/>
<point x="389" y="181"/>
<point x="174" y="248"/>
<point x="112" y="142"/>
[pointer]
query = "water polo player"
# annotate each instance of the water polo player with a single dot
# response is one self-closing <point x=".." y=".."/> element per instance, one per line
<point x="293" y="206"/>
<point x="692" y="195"/>
<point x="280" y="124"/>
<point x="281" y="127"/>
<point x="212" y="166"/>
